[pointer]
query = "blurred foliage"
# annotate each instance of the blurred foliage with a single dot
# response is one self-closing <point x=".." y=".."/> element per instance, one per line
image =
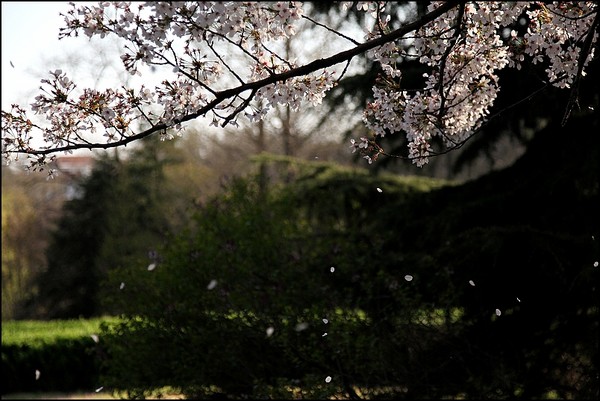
<point x="269" y="254"/>
<point x="480" y="290"/>
<point x="68" y="287"/>
<point x="18" y="224"/>
<point x="30" y="206"/>
<point x="127" y="208"/>
<point x="235" y="304"/>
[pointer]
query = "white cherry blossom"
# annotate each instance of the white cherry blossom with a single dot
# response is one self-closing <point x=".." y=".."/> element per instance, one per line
<point x="208" y="45"/>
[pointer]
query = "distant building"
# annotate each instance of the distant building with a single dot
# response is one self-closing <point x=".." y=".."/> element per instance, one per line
<point x="74" y="168"/>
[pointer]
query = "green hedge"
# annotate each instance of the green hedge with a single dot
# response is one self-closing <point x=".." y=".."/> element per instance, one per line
<point x="64" y="352"/>
<point x="66" y="365"/>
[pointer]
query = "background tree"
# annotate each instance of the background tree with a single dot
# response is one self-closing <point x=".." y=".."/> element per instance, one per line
<point x="128" y="207"/>
<point x="69" y="285"/>
<point x="30" y="207"/>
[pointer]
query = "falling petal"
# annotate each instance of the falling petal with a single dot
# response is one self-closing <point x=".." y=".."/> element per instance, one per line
<point x="596" y="264"/>
<point x="379" y="190"/>
<point x="122" y="285"/>
<point x="270" y="331"/>
<point x="325" y="321"/>
<point x="211" y="285"/>
<point x="408" y="277"/>
<point x="151" y="266"/>
<point x="37" y="374"/>
<point x="332" y="269"/>
<point x="327" y="379"/>
<point x="301" y="326"/>
<point x="12" y="65"/>
<point x="99" y="389"/>
<point x="518" y="299"/>
<point x="324" y="334"/>
<point x="95" y="338"/>
<point x="498" y="312"/>
<point x="472" y="283"/>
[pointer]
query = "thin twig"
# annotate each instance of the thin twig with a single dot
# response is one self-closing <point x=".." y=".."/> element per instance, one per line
<point x="583" y="55"/>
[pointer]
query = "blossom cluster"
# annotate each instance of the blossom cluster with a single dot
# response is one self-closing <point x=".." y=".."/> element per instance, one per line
<point x="464" y="51"/>
<point x="208" y="45"/>
<point x="203" y="44"/>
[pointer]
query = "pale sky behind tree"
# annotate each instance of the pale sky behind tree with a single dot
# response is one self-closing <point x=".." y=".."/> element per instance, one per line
<point x="29" y="35"/>
<point x="31" y="48"/>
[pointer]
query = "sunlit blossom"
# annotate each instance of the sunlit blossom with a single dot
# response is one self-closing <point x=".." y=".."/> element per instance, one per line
<point x="459" y="90"/>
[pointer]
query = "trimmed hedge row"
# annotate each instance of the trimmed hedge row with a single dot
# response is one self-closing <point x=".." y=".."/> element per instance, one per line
<point x="63" y="365"/>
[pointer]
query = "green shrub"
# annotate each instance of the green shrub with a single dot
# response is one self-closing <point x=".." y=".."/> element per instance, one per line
<point x="64" y="352"/>
<point x="269" y="257"/>
<point x="403" y="319"/>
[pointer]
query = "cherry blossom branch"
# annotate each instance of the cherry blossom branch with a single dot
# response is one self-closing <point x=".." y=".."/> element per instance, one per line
<point x="254" y="86"/>
<point x="341" y="35"/>
<point x="583" y="55"/>
<point x="458" y="145"/>
<point x="471" y="81"/>
<point x="457" y="31"/>
<point x="458" y="42"/>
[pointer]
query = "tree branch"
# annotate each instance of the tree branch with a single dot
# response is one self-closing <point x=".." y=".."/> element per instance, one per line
<point x="221" y="96"/>
<point x="583" y="55"/>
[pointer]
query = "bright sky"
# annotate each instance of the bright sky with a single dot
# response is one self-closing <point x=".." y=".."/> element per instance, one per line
<point x="29" y="35"/>
<point x="30" y="48"/>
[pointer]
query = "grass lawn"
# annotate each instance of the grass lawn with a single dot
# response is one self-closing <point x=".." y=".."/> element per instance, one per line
<point x="81" y="396"/>
<point x="57" y="396"/>
<point x="37" y="332"/>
